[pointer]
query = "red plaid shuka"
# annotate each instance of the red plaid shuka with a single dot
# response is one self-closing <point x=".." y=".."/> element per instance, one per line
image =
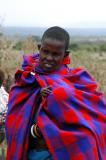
<point x="72" y="118"/>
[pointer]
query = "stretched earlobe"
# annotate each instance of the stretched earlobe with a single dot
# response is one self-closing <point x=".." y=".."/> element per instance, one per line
<point x="66" y="59"/>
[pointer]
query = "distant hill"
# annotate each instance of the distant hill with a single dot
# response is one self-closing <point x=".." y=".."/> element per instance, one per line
<point x="38" y="31"/>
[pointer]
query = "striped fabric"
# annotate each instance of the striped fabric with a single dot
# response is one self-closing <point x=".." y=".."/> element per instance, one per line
<point x="72" y="118"/>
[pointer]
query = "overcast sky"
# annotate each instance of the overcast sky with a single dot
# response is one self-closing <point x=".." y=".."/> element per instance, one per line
<point x="45" y="13"/>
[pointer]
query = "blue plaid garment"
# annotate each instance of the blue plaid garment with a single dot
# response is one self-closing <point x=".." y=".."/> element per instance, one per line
<point x="72" y="119"/>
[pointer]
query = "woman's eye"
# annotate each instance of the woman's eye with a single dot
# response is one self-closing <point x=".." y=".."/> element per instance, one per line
<point x="45" y="51"/>
<point x="56" y="54"/>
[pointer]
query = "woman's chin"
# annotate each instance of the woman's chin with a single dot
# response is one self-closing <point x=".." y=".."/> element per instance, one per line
<point x="48" y="70"/>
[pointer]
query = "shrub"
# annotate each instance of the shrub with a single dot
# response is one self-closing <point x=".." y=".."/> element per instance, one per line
<point x="74" y="46"/>
<point x="18" y="46"/>
<point x="103" y="47"/>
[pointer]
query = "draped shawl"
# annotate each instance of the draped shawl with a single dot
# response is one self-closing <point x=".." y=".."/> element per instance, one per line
<point x="72" y="118"/>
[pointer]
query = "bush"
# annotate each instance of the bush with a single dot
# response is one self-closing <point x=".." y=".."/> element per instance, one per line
<point x="103" y="48"/>
<point x="74" y="46"/>
<point x="18" y="46"/>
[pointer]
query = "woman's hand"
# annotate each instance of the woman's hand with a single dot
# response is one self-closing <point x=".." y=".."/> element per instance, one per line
<point x="46" y="91"/>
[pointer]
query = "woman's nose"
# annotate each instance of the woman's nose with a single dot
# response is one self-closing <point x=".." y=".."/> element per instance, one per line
<point x="49" y="57"/>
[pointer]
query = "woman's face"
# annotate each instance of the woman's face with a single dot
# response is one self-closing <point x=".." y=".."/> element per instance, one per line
<point x="52" y="53"/>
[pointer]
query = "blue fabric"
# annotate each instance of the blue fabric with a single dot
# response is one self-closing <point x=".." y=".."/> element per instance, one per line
<point x="39" y="155"/>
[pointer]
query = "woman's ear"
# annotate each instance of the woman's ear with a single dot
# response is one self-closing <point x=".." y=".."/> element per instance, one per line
<point x="39" y="46"/>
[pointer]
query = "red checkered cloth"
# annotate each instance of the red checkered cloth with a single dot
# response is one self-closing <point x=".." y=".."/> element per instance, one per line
<point x="72" y="118"/>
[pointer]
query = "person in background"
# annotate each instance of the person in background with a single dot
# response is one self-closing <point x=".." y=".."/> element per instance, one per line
<point x="3" y="94"/>
<point x="3" y="105"/>
<point x="55" y="112"/>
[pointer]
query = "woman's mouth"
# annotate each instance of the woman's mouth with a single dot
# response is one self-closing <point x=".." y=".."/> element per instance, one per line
<point x="48" y="65"/>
